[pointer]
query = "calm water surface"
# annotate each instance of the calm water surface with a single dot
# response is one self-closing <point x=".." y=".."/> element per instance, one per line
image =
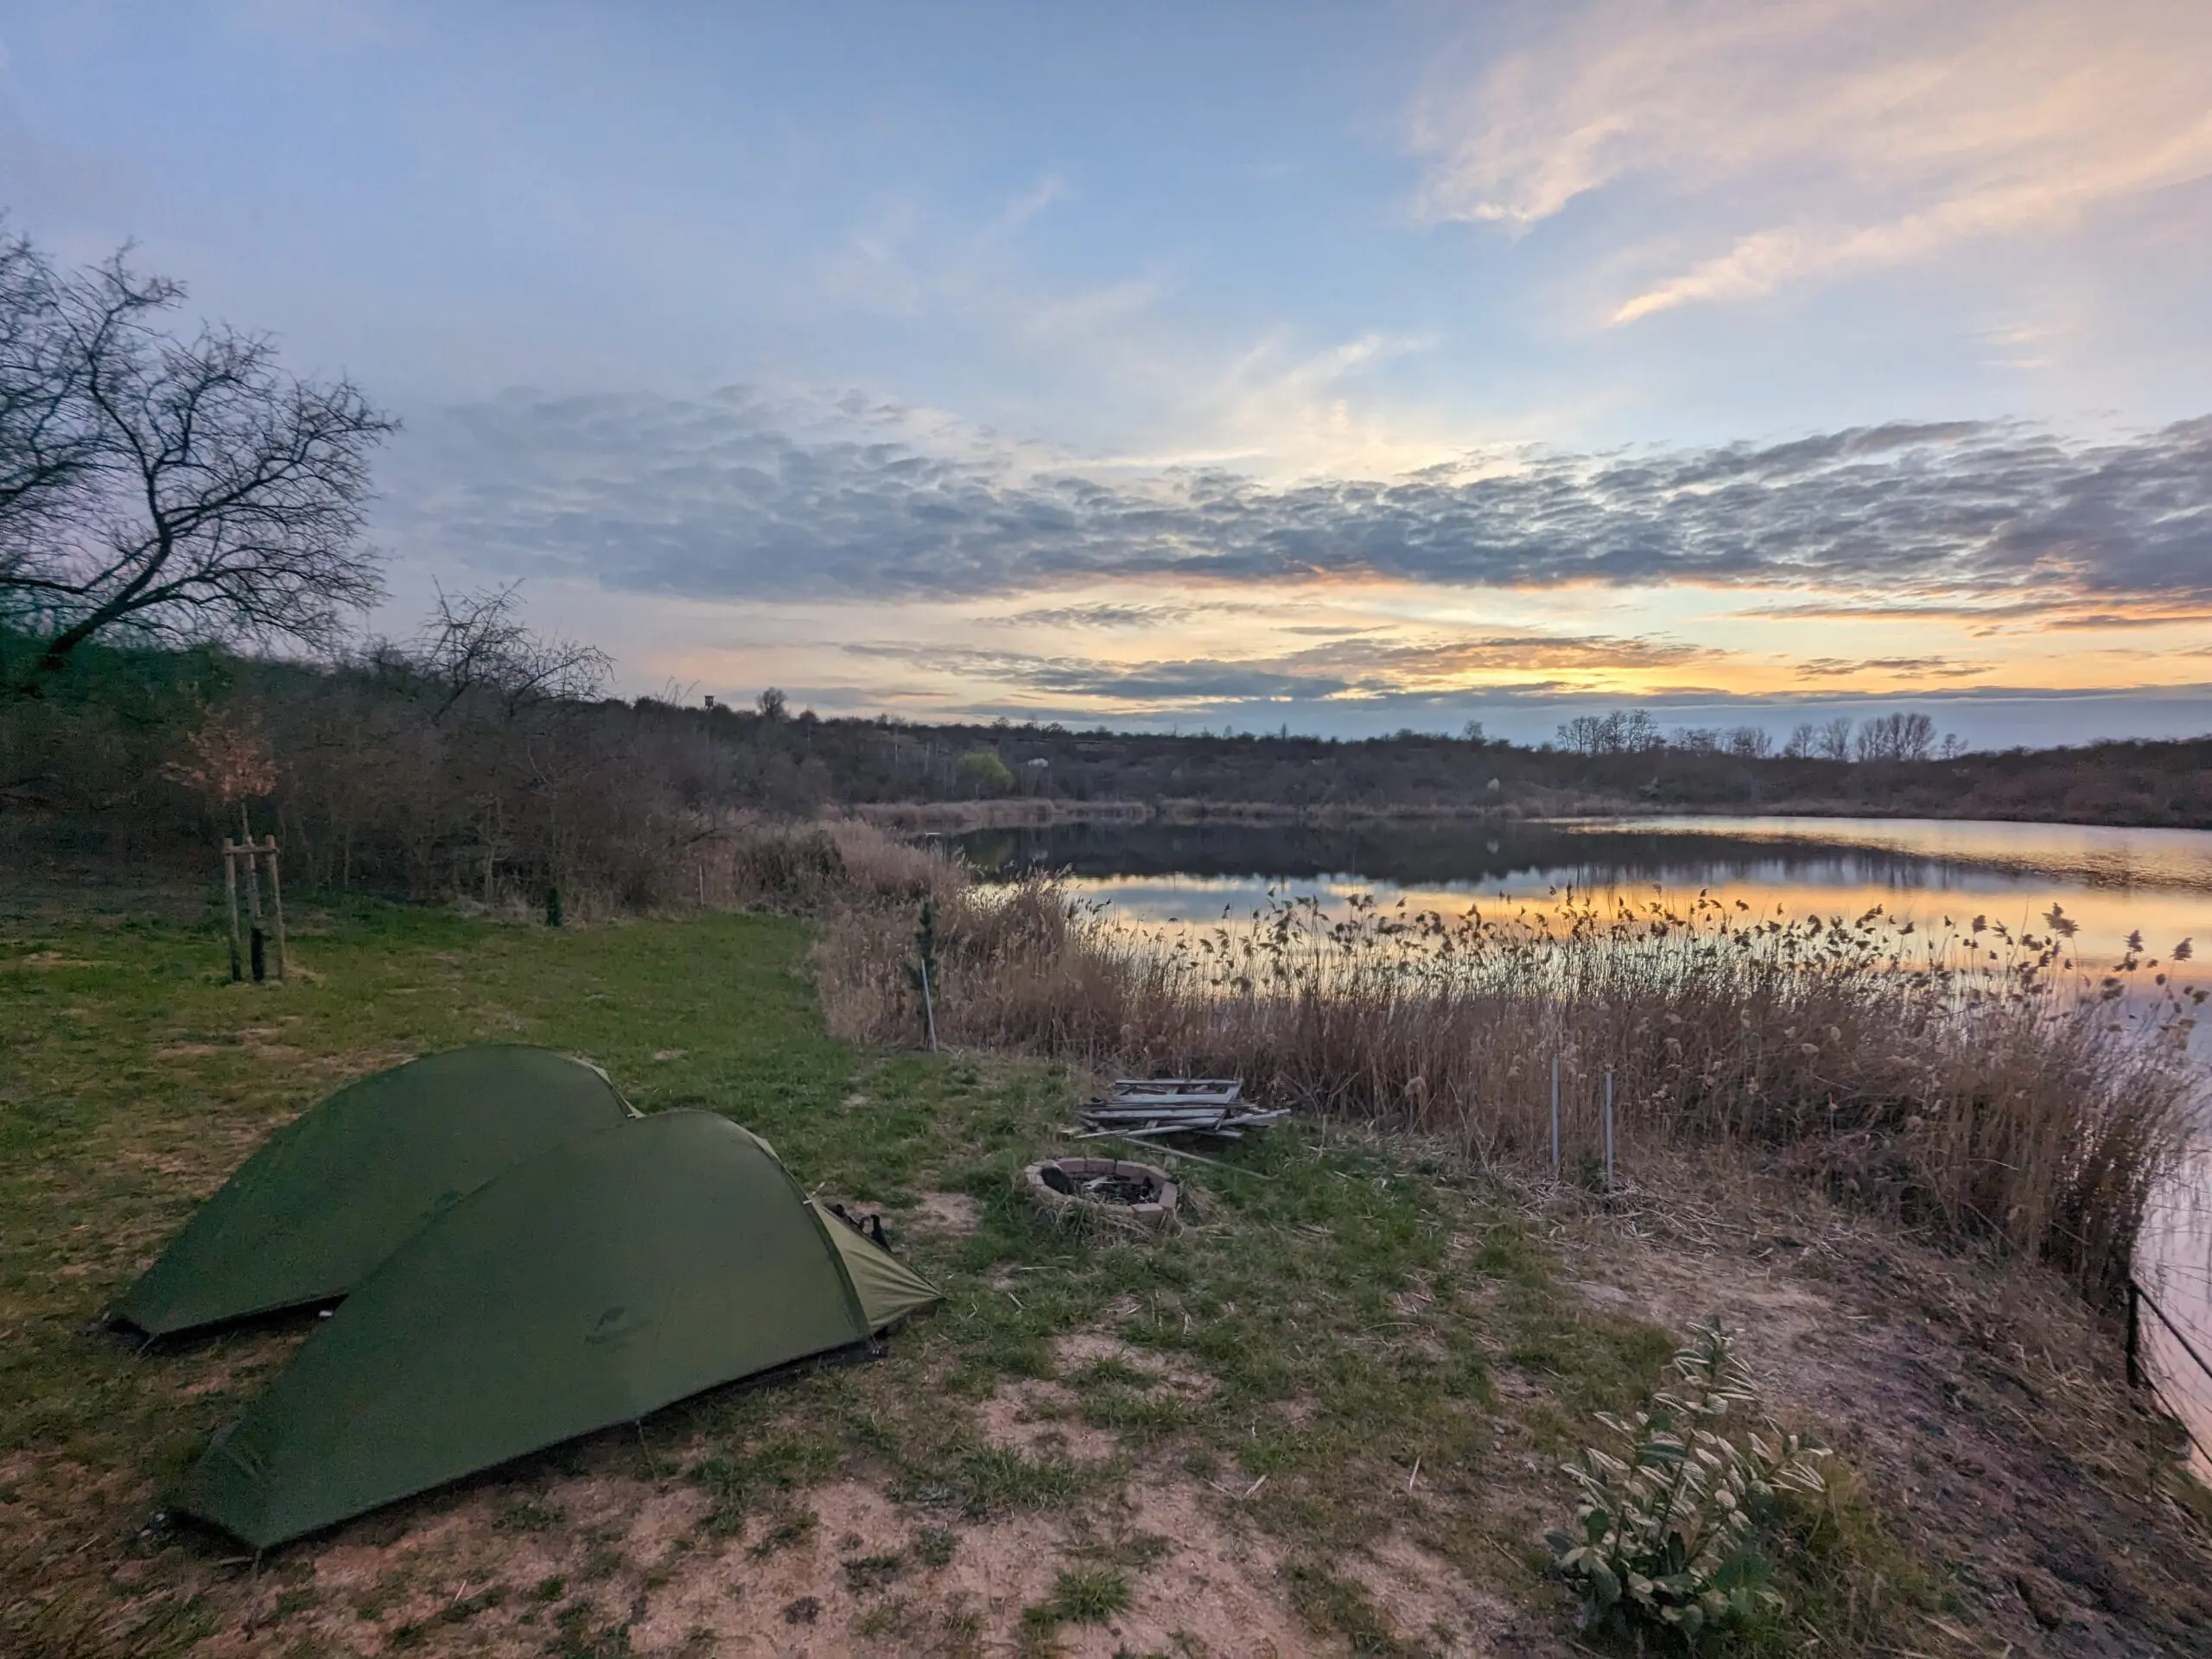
<point x="2111" y="882"/>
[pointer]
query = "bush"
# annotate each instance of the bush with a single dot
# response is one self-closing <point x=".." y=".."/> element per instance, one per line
<point x="982" y="773"/>
<point x="1671" y="1530"/>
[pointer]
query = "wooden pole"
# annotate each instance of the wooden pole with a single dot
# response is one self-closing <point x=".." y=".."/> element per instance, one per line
<point x="253" y="871"/>
<point x="277" y="901"/>
<point x="231" y="894"/>
<point x="252" y="895"/>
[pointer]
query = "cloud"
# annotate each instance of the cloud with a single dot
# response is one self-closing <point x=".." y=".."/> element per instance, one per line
<point x="1824" y="134"/>
<point x="1824" y="668"/>
<point x="1358" y="669"/>
<point x="1097" y="616"/>
<point x="1398" y="663"/>
<point x="1173" y="684"/>
<point x="733" y="496"/>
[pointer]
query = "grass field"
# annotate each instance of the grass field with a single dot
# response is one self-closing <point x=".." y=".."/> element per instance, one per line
<point x="1326" y="1417"/>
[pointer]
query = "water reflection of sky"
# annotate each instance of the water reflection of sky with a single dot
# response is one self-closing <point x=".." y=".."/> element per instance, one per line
<point x="2111" y="882"/>
<point x="2104" y="917"/>
<point x="2088" y="854"/>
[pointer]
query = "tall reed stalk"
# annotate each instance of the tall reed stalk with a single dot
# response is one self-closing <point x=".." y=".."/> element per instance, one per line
<point x="1958" y="1080"/>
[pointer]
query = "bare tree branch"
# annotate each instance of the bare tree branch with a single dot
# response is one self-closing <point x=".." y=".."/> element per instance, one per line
<point x="177" y="489"/>
<point x="478" y="642"/>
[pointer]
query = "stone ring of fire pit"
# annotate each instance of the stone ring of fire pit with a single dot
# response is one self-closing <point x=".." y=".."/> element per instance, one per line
<point x="1110" y="1190"/>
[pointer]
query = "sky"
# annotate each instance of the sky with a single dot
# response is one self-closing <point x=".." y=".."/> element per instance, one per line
<point x="1343" y="367"/>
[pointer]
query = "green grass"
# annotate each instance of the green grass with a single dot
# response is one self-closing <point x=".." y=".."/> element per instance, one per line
<point x="1082" y="1595"/>
<point x="1350" y="1312"/>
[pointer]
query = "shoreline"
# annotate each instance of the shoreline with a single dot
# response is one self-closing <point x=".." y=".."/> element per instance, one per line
<point x="961" y="818"/>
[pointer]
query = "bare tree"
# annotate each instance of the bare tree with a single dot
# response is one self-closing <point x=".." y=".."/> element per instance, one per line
<point x="204" y="494"/>
<point x="1897" y="737"/>
<point x="478" y="642"/>
<point x="1834" y="742"/>
<point x="1802" y="736"/>
<point x="1624" y="731"/>
<point x="46" y="449"/>
<point x="772" y="703"/>
<point x="1750" y="742"/>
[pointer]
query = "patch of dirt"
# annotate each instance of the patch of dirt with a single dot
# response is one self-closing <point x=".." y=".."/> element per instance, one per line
<point x="47" y="959"/>
<point x="500" y="1569"/>
<point x="954" y="1215"/>
<point x="1081" y="1348"/>
<point x="612" y="1558"/>
<point x="854" y="1582"/>
<point x="1604" y="1295"/>
<point x="1217" y="1592"/>
<point x="1040" y="1417"/>
<point x="1425" y="1601"/>
<point x="663" y="1055"/>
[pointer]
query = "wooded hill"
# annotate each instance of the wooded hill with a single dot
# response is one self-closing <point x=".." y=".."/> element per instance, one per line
<point x="466" y="763"/>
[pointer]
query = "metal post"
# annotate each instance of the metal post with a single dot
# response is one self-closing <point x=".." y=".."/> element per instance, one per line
<point x="277" y="901"/>
<point x="1609" y="1131"/>
<point x="1554" y="1117"/>
<point x="929" y="1007"/>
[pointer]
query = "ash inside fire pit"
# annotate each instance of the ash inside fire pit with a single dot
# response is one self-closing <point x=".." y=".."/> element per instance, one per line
<point x="1105" y="1188"/>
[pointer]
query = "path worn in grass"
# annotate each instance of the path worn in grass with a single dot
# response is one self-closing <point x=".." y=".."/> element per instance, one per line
<point x="1325" y="1418"/>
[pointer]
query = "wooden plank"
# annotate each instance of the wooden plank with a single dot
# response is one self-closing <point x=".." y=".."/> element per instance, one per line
<point x="1174" y="1102"/>
<point x="1203" y="1112"/>
<point x="1158" y="1111"/>
<point x="1170" y="1089"/>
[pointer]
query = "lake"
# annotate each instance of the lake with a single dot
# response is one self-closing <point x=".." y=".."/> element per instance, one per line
<point x="2112" y="882"/>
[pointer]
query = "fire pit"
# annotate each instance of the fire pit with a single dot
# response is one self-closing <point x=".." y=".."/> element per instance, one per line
<point x="1107" y="1190"/>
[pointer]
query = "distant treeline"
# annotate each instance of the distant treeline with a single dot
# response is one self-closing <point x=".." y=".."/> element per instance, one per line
<point x="480" y="760"/>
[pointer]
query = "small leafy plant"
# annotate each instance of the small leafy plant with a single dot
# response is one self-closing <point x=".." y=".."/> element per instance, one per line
<point x="1669" y="1527"/>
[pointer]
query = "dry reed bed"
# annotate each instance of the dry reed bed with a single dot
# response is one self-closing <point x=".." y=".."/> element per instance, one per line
<point x="1960" y="1082"/>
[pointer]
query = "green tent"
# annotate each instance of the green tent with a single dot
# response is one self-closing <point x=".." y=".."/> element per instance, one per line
<point x="333" y="1193"/>
<point x="603" y="1280"/>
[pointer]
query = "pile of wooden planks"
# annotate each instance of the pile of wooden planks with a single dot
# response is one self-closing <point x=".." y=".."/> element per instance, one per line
<point x="1147" y="1108"/>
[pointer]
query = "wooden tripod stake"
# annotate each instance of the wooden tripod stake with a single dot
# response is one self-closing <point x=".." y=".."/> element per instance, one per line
<point x="248" y="852"/>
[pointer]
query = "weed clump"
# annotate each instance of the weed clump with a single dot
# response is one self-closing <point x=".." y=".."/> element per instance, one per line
<point x="1669" y="1534"/>
<point x="1082" y="1595"/>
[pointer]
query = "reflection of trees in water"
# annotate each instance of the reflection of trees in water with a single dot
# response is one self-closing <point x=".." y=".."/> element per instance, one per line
<point x="1477" y="854"/>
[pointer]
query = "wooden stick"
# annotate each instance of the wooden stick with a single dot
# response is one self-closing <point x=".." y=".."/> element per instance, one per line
<point x="252" y="872"/>
<point x="231" y="893"/>
<point x="277" y="898"/>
